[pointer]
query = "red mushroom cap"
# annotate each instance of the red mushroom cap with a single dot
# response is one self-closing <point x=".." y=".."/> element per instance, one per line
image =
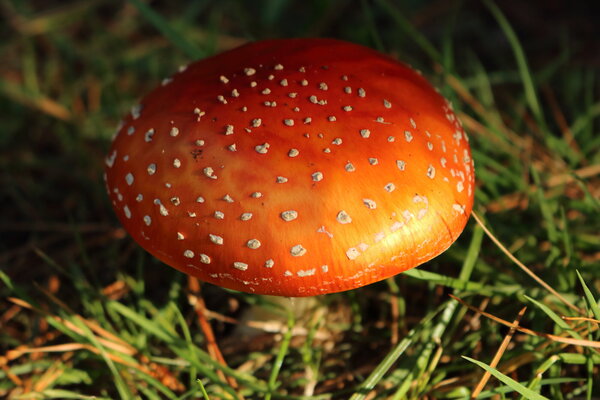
<point x="292" y="167"/>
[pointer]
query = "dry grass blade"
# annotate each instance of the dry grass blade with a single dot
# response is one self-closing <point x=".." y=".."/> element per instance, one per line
<point x="486" y="376"/>
<point x="117" y="345"/>
<point x="560" y="339"/>
<point x="522" y="266"/>
<point x="581" y="319"/>
<point x="197" y="301"/>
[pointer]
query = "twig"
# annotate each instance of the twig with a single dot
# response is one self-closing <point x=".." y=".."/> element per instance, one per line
<point x="197" y="301"/>
<point x="486" y="376"/>
<point x="522" y="266"/>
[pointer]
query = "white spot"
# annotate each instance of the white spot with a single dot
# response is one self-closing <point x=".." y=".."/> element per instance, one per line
<point x="223" y="79"/>
<point x="256" y="122"/>
<point x="209" y="172"/>
<point x="127" y="212"/>
<point x="199" y="113"/>
<point x="174" y="132"/>
<point x="390" y="187"/>
<point x="136" y="111"/>
<point x="331" y="118"/>
<point x="324" y="268"/>
<point x="269" y="263"/>
<point x="289" y="215"/>
<point x="110" y="160"/>
<point x="396" y="226"/>
<point x="293" y="152"/>
<point x="147" y="220"/>
<point x="219" y="215"/>
<point x="459" y="208"/>
<point x="387" y="104"/>
<point x="245" y="216"/>
<point x="322" y="229"/>
<point x="373" y="161"/>
<point x="130" y="130"/>
<point x="347" y="108"/>
<point x="317" y="176"/>
<point x="253" y="244"/>
<point x="151" y="169"/>
<point x="188" y="254"/>
<point x="129" y="178"/>
<point x="307" y="120"/>
<point x="228" y="129"/>
<point x="180" y="236"/>
<point x="281" y="179"/>
<point x="371" y="205"/>
<point x="306" y="272"/>
<point x="349" y="167"/>
<point x="163" y="211"/>
<point x="337" y="141"/>
<point x="262" y="148"/>
<point x="256" y="195"/>
<point x="199" y="199"/>
<point x="431" y="171"/>
<point x="288" y="122"/>
<point x="298" y="250"/>
<point x="232" y="147"/>
<point x="413" y="123"/>
<point x="408" y="136"/>
<point x="204" y="259"/>
<point x="215" y="239"/>
<point x="228" y="198"/>
<point x="352" y="253"/>
<point x="266" y="91"/>
<point x="177" y="163"/>
<point x="361" y="92"/>
<point x="249" y="71"/>
<point x="401" y="164"/>
<point x="379" y="237"/>
<point x="139" y="197"/>
<point x="343" y="217"/>
<point x="240" y="266"/>
<point x="365" y="133"/>
<point x="391" y="139"/>
<point x="459" y="187"/>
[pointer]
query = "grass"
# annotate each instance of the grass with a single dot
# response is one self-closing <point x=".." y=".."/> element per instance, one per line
<point x="84" y="313"/>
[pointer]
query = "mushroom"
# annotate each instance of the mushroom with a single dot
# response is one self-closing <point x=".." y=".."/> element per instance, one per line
<point x="292" y="167"/>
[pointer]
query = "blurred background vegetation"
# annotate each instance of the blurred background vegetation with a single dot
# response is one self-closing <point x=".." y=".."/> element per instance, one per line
<point x="85" y="312"/>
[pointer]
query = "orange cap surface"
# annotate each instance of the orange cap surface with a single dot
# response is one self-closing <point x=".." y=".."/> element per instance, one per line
<point x="292" y="167"/>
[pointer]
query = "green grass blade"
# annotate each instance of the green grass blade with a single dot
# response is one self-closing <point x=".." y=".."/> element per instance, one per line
<point x="122" y="388"/>
<point x="405" y="25"/>
<point x="383" y="367"/>
<point x="167" y="30"/>
<point x="516" y="386"/>
<point x="202" y="389"/>
<point x="557" y="319"/>
<point x="526" y="78"/>
<point x="283" y="349"/>
<point x="589" y="297"/>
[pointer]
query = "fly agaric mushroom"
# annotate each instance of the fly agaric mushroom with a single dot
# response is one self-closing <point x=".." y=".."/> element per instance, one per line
<point x="292" y="167"/>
